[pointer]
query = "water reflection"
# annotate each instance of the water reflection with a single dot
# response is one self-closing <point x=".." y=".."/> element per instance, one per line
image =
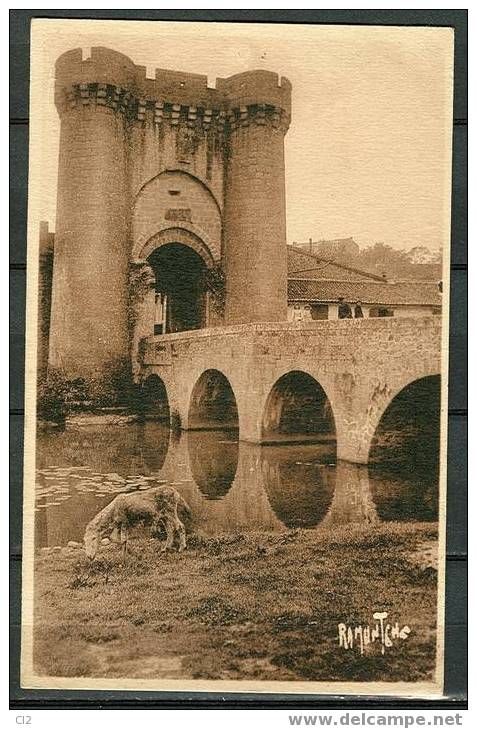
<point x="213" y="457"/>
<point x="81" y="470"/>
<point x="299" y="483"/>
<point x="405" y="496"/>
<point x="230" y="486"/>
<point x="352" y="500"/>
<point x="133" y="448"/>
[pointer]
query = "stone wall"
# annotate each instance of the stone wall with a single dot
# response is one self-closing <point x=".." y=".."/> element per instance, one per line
<point x="361" y="364"/>
<point x="171" y="203"/>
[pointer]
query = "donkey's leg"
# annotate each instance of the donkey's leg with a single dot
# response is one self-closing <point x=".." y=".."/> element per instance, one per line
<point x="124" y="537"/>
<point x="157" y="527"/>
<point x="180" y="530"/>
<point x="170" y="535"/>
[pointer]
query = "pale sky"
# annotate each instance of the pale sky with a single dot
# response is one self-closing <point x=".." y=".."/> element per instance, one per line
<point x="368" y="149"/>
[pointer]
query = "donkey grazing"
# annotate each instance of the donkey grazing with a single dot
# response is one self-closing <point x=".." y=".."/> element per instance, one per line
<point x="155" y="507"/>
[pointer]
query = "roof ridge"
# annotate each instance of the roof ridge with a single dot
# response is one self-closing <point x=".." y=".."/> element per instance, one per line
<point x="369" y="292"/>
<point x="316" y="257"/>
<point x="382" y="282"/>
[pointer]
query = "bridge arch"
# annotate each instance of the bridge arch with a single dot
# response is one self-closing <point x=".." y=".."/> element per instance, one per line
<point x="297" y="406"/>
<point x="183" y="235"/>
<point x="407" y="432"/>
<point x="212" y="404"/>
<point x="154" y="399"/>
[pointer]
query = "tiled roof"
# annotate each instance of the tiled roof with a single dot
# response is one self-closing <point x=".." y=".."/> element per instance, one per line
<point x="310" y="266"/>
<point x="367" y="292"/>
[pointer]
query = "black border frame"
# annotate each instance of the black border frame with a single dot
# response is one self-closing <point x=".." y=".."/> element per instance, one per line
<point x="456" y="556"/>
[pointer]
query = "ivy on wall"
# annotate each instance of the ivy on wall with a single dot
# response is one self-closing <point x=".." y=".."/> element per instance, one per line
<point x="141" y="279"/>
<point x="215" y="284"/>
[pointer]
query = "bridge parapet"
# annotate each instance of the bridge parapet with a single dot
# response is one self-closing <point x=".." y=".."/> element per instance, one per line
<point x="363" y="341"/>
<point x="361" y="365"/>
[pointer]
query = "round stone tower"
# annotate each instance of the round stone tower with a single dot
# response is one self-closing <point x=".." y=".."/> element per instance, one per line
<point x="254" y="232"/>
<point x="89" y="333"/>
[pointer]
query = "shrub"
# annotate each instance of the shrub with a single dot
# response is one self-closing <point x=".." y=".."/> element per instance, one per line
<point x="59" y="396"/>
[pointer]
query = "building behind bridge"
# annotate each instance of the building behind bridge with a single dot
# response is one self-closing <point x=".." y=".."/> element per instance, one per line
<point x="316" y="285"/>
<point x="328" y="249"/>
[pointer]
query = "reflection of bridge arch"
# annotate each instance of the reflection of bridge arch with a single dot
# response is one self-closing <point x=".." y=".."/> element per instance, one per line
<point x="300" y="492"/>
<point x="404" y="496"/>
<point x="213" y="459"/>
<point x="297" y="404"/>
<point x="212" y="402"/>
<point x="151" y="447"/>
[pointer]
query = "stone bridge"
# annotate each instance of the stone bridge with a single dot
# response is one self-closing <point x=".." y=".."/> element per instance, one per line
<point x="361" y="365"/>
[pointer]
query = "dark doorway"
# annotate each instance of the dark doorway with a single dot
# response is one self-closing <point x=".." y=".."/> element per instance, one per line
<point x="181" y="286"/>
<point x="376" y="311"/>
<point x="319" y="311"/>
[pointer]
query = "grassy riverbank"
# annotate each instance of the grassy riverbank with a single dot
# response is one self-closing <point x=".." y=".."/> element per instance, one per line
<point x="252" y="606"/>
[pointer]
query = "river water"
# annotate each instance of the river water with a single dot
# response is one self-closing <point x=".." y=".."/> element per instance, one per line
<point x="230" y="486"/>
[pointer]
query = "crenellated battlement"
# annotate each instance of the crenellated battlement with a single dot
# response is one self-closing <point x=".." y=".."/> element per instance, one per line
<point x="256" y="88"/>
<point x="111" y="79"/>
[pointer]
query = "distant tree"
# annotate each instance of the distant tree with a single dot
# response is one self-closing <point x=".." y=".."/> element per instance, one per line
<point x="382" y="258"/>
<point x="422" y="254"/>
<point x="418" y="263"/>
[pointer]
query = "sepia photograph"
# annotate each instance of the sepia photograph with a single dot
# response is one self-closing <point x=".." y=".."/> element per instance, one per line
<point x="237" y="357"/>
